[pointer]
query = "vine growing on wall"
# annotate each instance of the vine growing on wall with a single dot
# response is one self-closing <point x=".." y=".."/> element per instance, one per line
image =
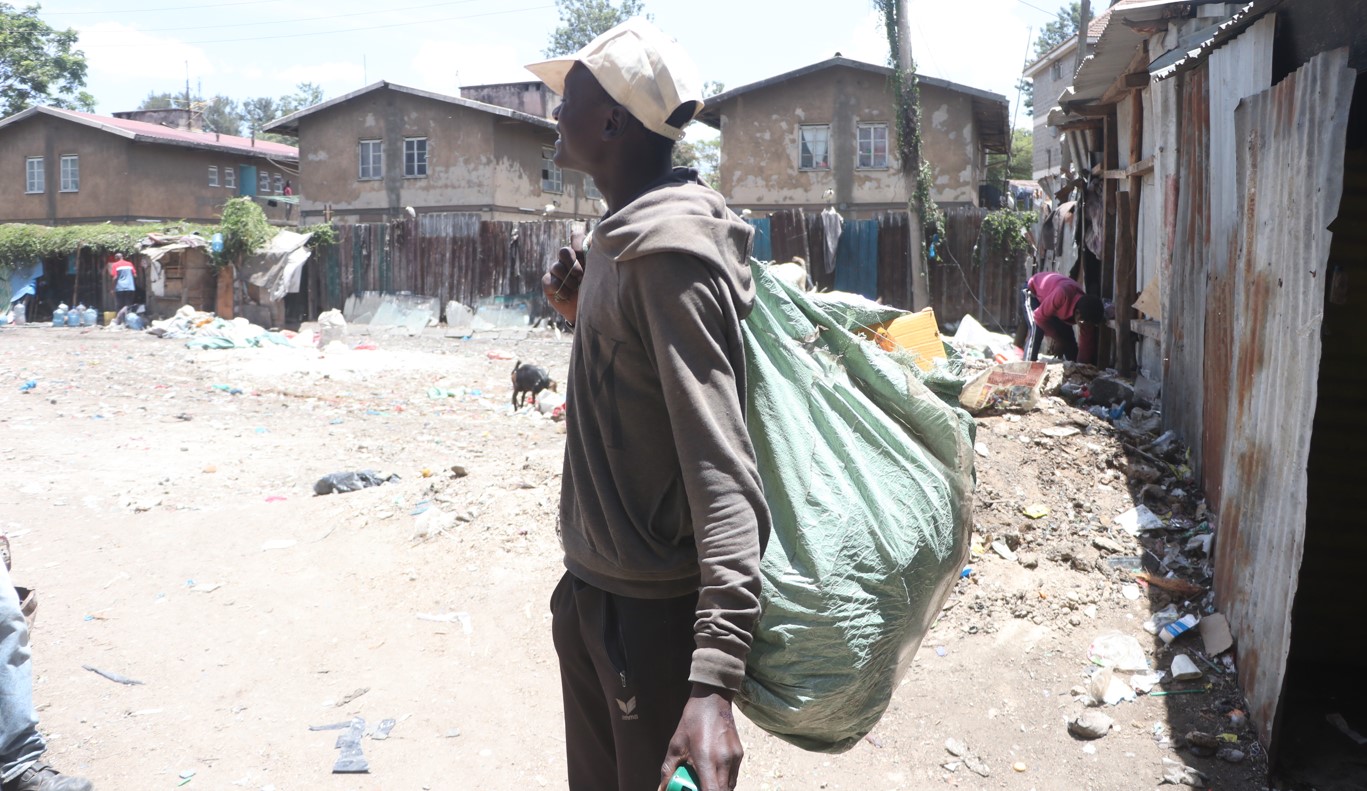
<point x="21" y="244"/>
<point x="909" y="145"/>
<point x="1005" y="230"/>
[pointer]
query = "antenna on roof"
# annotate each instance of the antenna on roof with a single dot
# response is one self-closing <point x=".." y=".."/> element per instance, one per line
<point x="187" y="85"/>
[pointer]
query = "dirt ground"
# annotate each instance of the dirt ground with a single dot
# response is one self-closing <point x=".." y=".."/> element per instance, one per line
<point x="170" y="529"/>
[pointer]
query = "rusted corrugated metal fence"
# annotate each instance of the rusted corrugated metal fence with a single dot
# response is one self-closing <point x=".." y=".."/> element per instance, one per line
<point x="448" y="256"/>
<point x="872" y="259"/>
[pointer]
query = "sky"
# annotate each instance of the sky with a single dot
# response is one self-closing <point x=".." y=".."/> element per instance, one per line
<point x="248" y="48"/>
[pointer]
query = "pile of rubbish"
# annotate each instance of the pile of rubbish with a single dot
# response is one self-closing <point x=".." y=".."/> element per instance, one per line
<point x="204" y="330"/>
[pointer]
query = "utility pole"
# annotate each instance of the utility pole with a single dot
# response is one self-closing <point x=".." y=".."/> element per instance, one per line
<point x="1084" y="21"/>
<point x="920" y="280"/>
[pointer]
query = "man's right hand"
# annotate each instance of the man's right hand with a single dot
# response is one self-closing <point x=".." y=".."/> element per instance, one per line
<point x="561" y="283"/>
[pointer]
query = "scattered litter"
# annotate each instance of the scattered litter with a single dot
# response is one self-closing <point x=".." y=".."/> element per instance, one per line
<point x="1013" y="386"/>
<point x="1125" y="563"/>
<point x="1178" y="773"/>
<point x="351" y="481"/>
<point x="956" y="748"/>
<point x="1105" y="687"/>
<point x="1216" y="635"/>
<point x="1174" y="585"/>
<point x="1090" y="725"/>
<point x="1019" y="766"/>
<point x="275" y="498"/>
<point x="1167" y="692"/>
<point x="352" y="760"/>
<point x="1161" y="618"/>
<point x="336" y="726"/>
<point x="27" y="386"/>
<point x="980" y="448"/>
<point x="1183" y="669"/>
<point x="382" y="730"/>
<point x="1145" y="682"/>
<point x="115" y="677"/>
<point x="1035" y="511"/>
<point x="463" y="618"/>
<point x="1339" y="722"/>
<point x="1139" y="520"/>
<point x="278" y="543"/>
<point x="205" y="587"/>
<point x="1231" y="755"/>
<point x="347" y="698"/>
<point x="1002" y="549"/>
<point x="1061" y="432"/>
<point x="1119" y="651"/>
<point x="1130" y="591"/>
<point x="1178" y="628"/>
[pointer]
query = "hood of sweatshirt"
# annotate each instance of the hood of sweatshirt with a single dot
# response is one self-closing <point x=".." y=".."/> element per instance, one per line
<point x="680" y="214"/>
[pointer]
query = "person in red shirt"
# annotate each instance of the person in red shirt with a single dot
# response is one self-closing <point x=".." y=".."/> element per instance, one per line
<point x="125" y="277"/>
<point x="1058" y="303"/>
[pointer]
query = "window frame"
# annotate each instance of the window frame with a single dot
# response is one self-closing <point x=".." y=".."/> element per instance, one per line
<point x="30" y="172"/>
<point x="802" y="143"/>
<point x="873" y="147"/>
<point x="69" y="180"/>
<point x="591" y="190"/>
<point x="549" y="168"/>
<point x="263" y="182"/>
<point x="230" y="177"/>
<point x="413" y="172"/>
<point x="278" y="182"/>
<point x="213" y="176"/>
<point x="376" y="164"/>
<point x="1056" y="70"/>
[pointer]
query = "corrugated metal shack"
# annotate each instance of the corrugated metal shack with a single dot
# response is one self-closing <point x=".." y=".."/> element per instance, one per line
<point x="1225" y="147"/>
<point x="449" y="256"/>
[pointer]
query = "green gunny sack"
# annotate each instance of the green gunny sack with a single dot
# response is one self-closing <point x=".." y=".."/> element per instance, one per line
<point x="867" y="464"/>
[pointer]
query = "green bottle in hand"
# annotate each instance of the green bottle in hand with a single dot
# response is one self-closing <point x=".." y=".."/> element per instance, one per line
<point x="683" y="780"/>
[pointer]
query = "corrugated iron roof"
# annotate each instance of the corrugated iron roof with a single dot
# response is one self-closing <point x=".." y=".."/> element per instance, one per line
<point x="290" y="123"/>
<point x="142" y="131"/>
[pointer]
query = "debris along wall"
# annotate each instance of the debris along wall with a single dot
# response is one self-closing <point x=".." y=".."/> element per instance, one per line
<point x="1299" y="126"/>
<point x="447" y="256"/>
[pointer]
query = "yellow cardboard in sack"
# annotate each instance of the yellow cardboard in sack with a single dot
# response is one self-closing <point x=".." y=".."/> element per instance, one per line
<point x="918" y="333"/>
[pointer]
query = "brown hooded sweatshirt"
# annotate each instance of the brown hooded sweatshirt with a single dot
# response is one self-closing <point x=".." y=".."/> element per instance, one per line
<point x="661" y="496"/>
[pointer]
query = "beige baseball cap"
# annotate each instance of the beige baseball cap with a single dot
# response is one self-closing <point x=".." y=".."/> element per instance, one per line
<point x="641" y="68"/>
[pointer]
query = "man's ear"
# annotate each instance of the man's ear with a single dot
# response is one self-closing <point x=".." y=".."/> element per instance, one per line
<point x="618" y="121"/>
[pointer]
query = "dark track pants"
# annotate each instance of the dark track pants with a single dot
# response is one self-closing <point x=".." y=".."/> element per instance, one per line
<point x="624" y="667"/>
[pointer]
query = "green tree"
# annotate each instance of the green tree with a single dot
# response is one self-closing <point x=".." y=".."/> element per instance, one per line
<point x="1062" y="28"/>
<point x="581" y="21"/>
<point x="1021" y="165"/>
<point x="38" y="64"/>
<point x="245" y="230"/>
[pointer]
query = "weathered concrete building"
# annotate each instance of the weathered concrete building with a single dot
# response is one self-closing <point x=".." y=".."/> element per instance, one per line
<point x="68" y="167"/>
<point x="1050" y="74"/>
<point x="371" y="154"/>
<point x="533" y="98"/>
<point x="826" y="135"/>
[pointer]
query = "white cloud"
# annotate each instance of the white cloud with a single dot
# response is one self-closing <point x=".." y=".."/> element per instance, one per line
<point x="444" y="66"/>
<point x="117" y="51"/>
<point x="336" y="78"/>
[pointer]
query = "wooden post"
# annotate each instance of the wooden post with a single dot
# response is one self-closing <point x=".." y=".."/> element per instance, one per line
<point x="1124" y="284"/>
<point x="916" y="263"/>
<point x="223" y="303"/>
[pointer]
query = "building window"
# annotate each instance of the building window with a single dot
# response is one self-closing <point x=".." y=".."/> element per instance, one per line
<point x="372" y="160"/>
<point x="279" y="184"/>
<point x="591" y="189"/>
<point x="873" y="146"/>
<point x="230" y="177"/>
<point x="71" y="173"/>
<point x="551" y="178"/>
<point x="814" y="149"/>
<point x="34" y="180"/>
<point x="213" y="175"/>
<point x="1056" y="71"/>
<point x="263" y="183"/>
<point x="415" y="157"/>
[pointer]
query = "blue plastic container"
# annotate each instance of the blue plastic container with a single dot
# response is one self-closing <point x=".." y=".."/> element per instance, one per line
<point x="59" y="316"/>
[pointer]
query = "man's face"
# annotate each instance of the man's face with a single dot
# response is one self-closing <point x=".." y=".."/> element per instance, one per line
<point x="581" y="119"/>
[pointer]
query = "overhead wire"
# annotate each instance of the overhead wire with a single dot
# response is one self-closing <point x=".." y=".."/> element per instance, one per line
<point x="301" y="19"/>
<point x="347" y="30"/>
<point x="153" y="10"/>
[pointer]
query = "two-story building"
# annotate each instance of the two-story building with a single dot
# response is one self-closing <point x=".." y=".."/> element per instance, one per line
<point x="63" y="167"/>
<point x="826" y="134"/>
<point x="374" y="153"/>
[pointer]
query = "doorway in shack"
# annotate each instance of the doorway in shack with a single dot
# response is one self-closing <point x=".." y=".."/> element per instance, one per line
<point x="1323" y="712"/>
